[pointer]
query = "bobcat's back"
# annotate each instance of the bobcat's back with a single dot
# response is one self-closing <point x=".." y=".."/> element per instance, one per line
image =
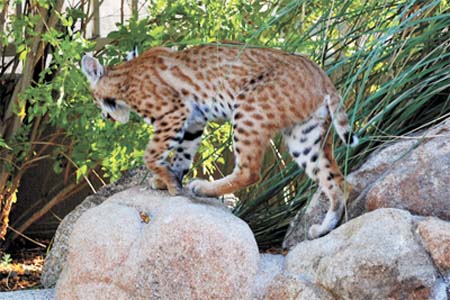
<point x="281" y="87"/>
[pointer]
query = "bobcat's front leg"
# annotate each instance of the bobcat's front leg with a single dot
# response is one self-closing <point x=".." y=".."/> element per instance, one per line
<point x="168" y="132"/>
<point x="186" y="149"/>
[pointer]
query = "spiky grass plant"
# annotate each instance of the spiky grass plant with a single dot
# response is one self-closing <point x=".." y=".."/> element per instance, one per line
<point x="391" y="62"/>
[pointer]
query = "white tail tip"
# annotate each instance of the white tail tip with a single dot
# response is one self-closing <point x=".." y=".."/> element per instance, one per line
<point x="355" y="141"/>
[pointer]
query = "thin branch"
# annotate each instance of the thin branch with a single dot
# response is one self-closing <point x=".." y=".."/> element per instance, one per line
<point x="26" y="237"/>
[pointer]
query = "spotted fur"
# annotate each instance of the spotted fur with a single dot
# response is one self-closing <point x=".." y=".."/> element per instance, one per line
<point x="261" y="91"/>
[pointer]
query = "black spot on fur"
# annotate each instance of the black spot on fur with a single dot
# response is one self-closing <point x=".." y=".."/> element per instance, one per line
<point x="314" y="157"/>
<point x="306" y="151"/>
<point x="315" y="171"/>
<point x="304" y="165"/>
<point x="309" y="128"/>
<point x="180" y="150"/>
<point x="317" y="140"/>
<point x="303" y="139"/>
<point x="295" y="154"/>
<point x="187" y="156"/>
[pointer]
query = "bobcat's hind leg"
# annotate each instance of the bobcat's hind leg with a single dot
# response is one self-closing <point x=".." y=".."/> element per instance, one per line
<point x="314" y="154"/>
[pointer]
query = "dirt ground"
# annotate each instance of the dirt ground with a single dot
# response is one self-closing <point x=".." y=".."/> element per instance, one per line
<point x="21" y="267"/>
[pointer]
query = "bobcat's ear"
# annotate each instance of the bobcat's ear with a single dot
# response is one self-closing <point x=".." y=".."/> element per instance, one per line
<point x="92" y="68"/>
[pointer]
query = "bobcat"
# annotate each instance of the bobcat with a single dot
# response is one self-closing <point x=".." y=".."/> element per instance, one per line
<point x="261" y="91"/>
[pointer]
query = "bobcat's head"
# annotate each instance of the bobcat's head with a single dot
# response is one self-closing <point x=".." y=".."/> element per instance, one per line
<point x="112" y="108"/>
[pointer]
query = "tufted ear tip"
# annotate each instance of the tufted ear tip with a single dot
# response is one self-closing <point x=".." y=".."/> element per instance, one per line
<point x="92" y="68"/>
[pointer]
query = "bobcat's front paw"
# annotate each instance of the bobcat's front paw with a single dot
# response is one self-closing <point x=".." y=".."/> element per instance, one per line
<point x="174" y="190"/>
<point x="199" y="187"/>
<point x="157" y="184"/>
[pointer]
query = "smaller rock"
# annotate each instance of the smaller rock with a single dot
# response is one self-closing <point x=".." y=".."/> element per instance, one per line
<point x="435" y="235"/>
<point x="375" y="256"/>
<point x="291" y="287"/>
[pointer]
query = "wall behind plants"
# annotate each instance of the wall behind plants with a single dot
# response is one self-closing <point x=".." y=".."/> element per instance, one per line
<point x="389" y="60"/>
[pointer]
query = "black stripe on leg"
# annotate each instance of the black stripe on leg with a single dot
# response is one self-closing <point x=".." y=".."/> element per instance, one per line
<point x="190" y="136"/>
<point x="309" y="128"/>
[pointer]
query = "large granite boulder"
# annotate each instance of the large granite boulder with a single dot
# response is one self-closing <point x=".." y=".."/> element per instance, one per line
<point x="139" y="244"/>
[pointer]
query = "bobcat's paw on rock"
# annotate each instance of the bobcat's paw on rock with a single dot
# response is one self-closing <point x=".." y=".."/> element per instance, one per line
<point x="199" y="188"/>
<point x="157" y="184"/>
